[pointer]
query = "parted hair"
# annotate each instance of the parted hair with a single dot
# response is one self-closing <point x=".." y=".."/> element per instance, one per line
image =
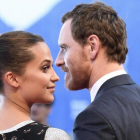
<point x="101" y="20"/>
<point x="15" y="52"/>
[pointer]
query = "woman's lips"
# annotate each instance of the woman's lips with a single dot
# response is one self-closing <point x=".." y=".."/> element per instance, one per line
<point x="51" y="89"/>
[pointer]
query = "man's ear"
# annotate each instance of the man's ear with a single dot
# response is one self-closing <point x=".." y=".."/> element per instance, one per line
<point x="11" y="79"/>
<point x="94" y="43"/>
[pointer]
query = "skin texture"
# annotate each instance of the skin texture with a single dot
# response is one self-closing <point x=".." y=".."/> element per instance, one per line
<point x="39" y="77"/>
<point x="83" y="64"/>
<point x="73" y="60"/>
<point x="40" y="112"/>
<point x="37" y="84"/>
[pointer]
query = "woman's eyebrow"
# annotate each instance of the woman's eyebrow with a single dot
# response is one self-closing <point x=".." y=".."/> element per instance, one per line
<point x="47" y="60"/>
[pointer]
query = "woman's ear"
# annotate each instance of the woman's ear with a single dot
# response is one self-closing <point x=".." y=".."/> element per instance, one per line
<point x="94" y="43"/>
<point x="11" y="79"/>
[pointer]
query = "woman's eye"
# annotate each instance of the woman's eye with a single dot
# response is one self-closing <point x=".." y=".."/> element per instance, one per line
<point x="45" y="68"/>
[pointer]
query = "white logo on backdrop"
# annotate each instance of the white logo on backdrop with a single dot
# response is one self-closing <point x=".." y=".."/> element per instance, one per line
<point x="22" y="14"/>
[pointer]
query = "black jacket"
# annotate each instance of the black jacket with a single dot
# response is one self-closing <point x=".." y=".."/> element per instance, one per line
<point x="114" y="114"/>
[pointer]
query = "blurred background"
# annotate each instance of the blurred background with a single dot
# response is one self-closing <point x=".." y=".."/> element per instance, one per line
<point x="43" y="17"/>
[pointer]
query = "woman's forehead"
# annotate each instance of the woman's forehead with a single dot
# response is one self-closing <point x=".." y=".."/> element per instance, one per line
<point x="41" y="49"/>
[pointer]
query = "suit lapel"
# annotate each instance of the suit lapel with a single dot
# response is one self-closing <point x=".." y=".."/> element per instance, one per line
<point x="124" y="79"/>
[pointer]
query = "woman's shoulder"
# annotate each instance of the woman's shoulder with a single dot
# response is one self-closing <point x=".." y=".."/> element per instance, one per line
<point x="51" y="133"/>
<point x="28" y="130"/>
<point x="56" y="134"/>
<point x="34" y="131"/>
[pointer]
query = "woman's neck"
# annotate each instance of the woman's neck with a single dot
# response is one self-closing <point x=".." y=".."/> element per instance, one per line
<point x="12" y="112"/>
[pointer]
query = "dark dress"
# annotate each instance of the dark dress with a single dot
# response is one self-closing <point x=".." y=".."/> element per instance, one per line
<point x="30" y="130"/>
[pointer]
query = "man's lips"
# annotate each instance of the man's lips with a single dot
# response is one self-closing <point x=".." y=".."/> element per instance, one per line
<point x="34" y="113"/>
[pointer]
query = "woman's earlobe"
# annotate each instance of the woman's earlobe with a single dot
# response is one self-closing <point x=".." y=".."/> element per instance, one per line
<point x="11" y="79"/>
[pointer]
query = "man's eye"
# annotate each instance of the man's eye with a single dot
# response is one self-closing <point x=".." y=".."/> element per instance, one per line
<point x="63" y="48"/>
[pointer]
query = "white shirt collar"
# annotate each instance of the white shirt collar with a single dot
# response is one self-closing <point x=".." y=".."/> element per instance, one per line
<point x="103" y="79"/>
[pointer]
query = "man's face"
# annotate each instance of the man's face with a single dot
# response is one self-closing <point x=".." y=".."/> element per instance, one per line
<point x="73" y="59"/>
<point x="39" y="112"/>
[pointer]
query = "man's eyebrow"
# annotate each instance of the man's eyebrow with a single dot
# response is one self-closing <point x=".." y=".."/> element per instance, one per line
<point x="62" y="45"/>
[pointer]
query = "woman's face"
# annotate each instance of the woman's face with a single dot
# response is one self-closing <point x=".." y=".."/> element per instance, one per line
<point x="37" y="84"/>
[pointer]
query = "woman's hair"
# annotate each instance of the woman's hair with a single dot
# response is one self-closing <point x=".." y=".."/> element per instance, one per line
<point x="15" y="52"/>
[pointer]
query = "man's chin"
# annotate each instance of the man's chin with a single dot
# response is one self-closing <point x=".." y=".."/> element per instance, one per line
<point x="73" y="87"/>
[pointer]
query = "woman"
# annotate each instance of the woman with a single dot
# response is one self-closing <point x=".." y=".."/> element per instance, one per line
<point x="26" y="77"/>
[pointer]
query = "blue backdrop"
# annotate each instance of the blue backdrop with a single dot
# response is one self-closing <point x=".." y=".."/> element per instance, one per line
<point x="33" y="17"/>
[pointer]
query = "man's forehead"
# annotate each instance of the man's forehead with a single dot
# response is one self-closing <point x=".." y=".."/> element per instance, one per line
<point x="65" y="32"/>
<point x="67" y="24"/>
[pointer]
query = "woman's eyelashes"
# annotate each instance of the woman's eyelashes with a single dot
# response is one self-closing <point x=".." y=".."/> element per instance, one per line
<point x="45" y="68"/>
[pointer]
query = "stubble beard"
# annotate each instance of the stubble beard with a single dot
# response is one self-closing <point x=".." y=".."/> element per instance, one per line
<point x="78" y="76"/>
<point x="77" y="81"/>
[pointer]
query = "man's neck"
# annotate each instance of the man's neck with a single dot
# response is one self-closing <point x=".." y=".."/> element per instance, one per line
<point x="100" y="71"/>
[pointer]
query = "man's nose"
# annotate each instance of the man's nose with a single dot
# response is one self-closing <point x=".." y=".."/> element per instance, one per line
<point x="59" y="61"/>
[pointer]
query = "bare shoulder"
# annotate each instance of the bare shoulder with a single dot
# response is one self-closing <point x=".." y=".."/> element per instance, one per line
<point x="56" y="134"/>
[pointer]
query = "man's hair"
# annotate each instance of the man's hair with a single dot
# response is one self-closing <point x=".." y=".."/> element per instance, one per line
<point x="102" y="20"/>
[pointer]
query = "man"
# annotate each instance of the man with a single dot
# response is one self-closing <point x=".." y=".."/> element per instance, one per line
<point x="40" y="112"/>
<point x="93" y="48"/>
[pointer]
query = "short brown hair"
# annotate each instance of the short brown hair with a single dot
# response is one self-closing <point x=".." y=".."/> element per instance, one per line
<point x="15" y="53"/>
<point x="102" y="20"/>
